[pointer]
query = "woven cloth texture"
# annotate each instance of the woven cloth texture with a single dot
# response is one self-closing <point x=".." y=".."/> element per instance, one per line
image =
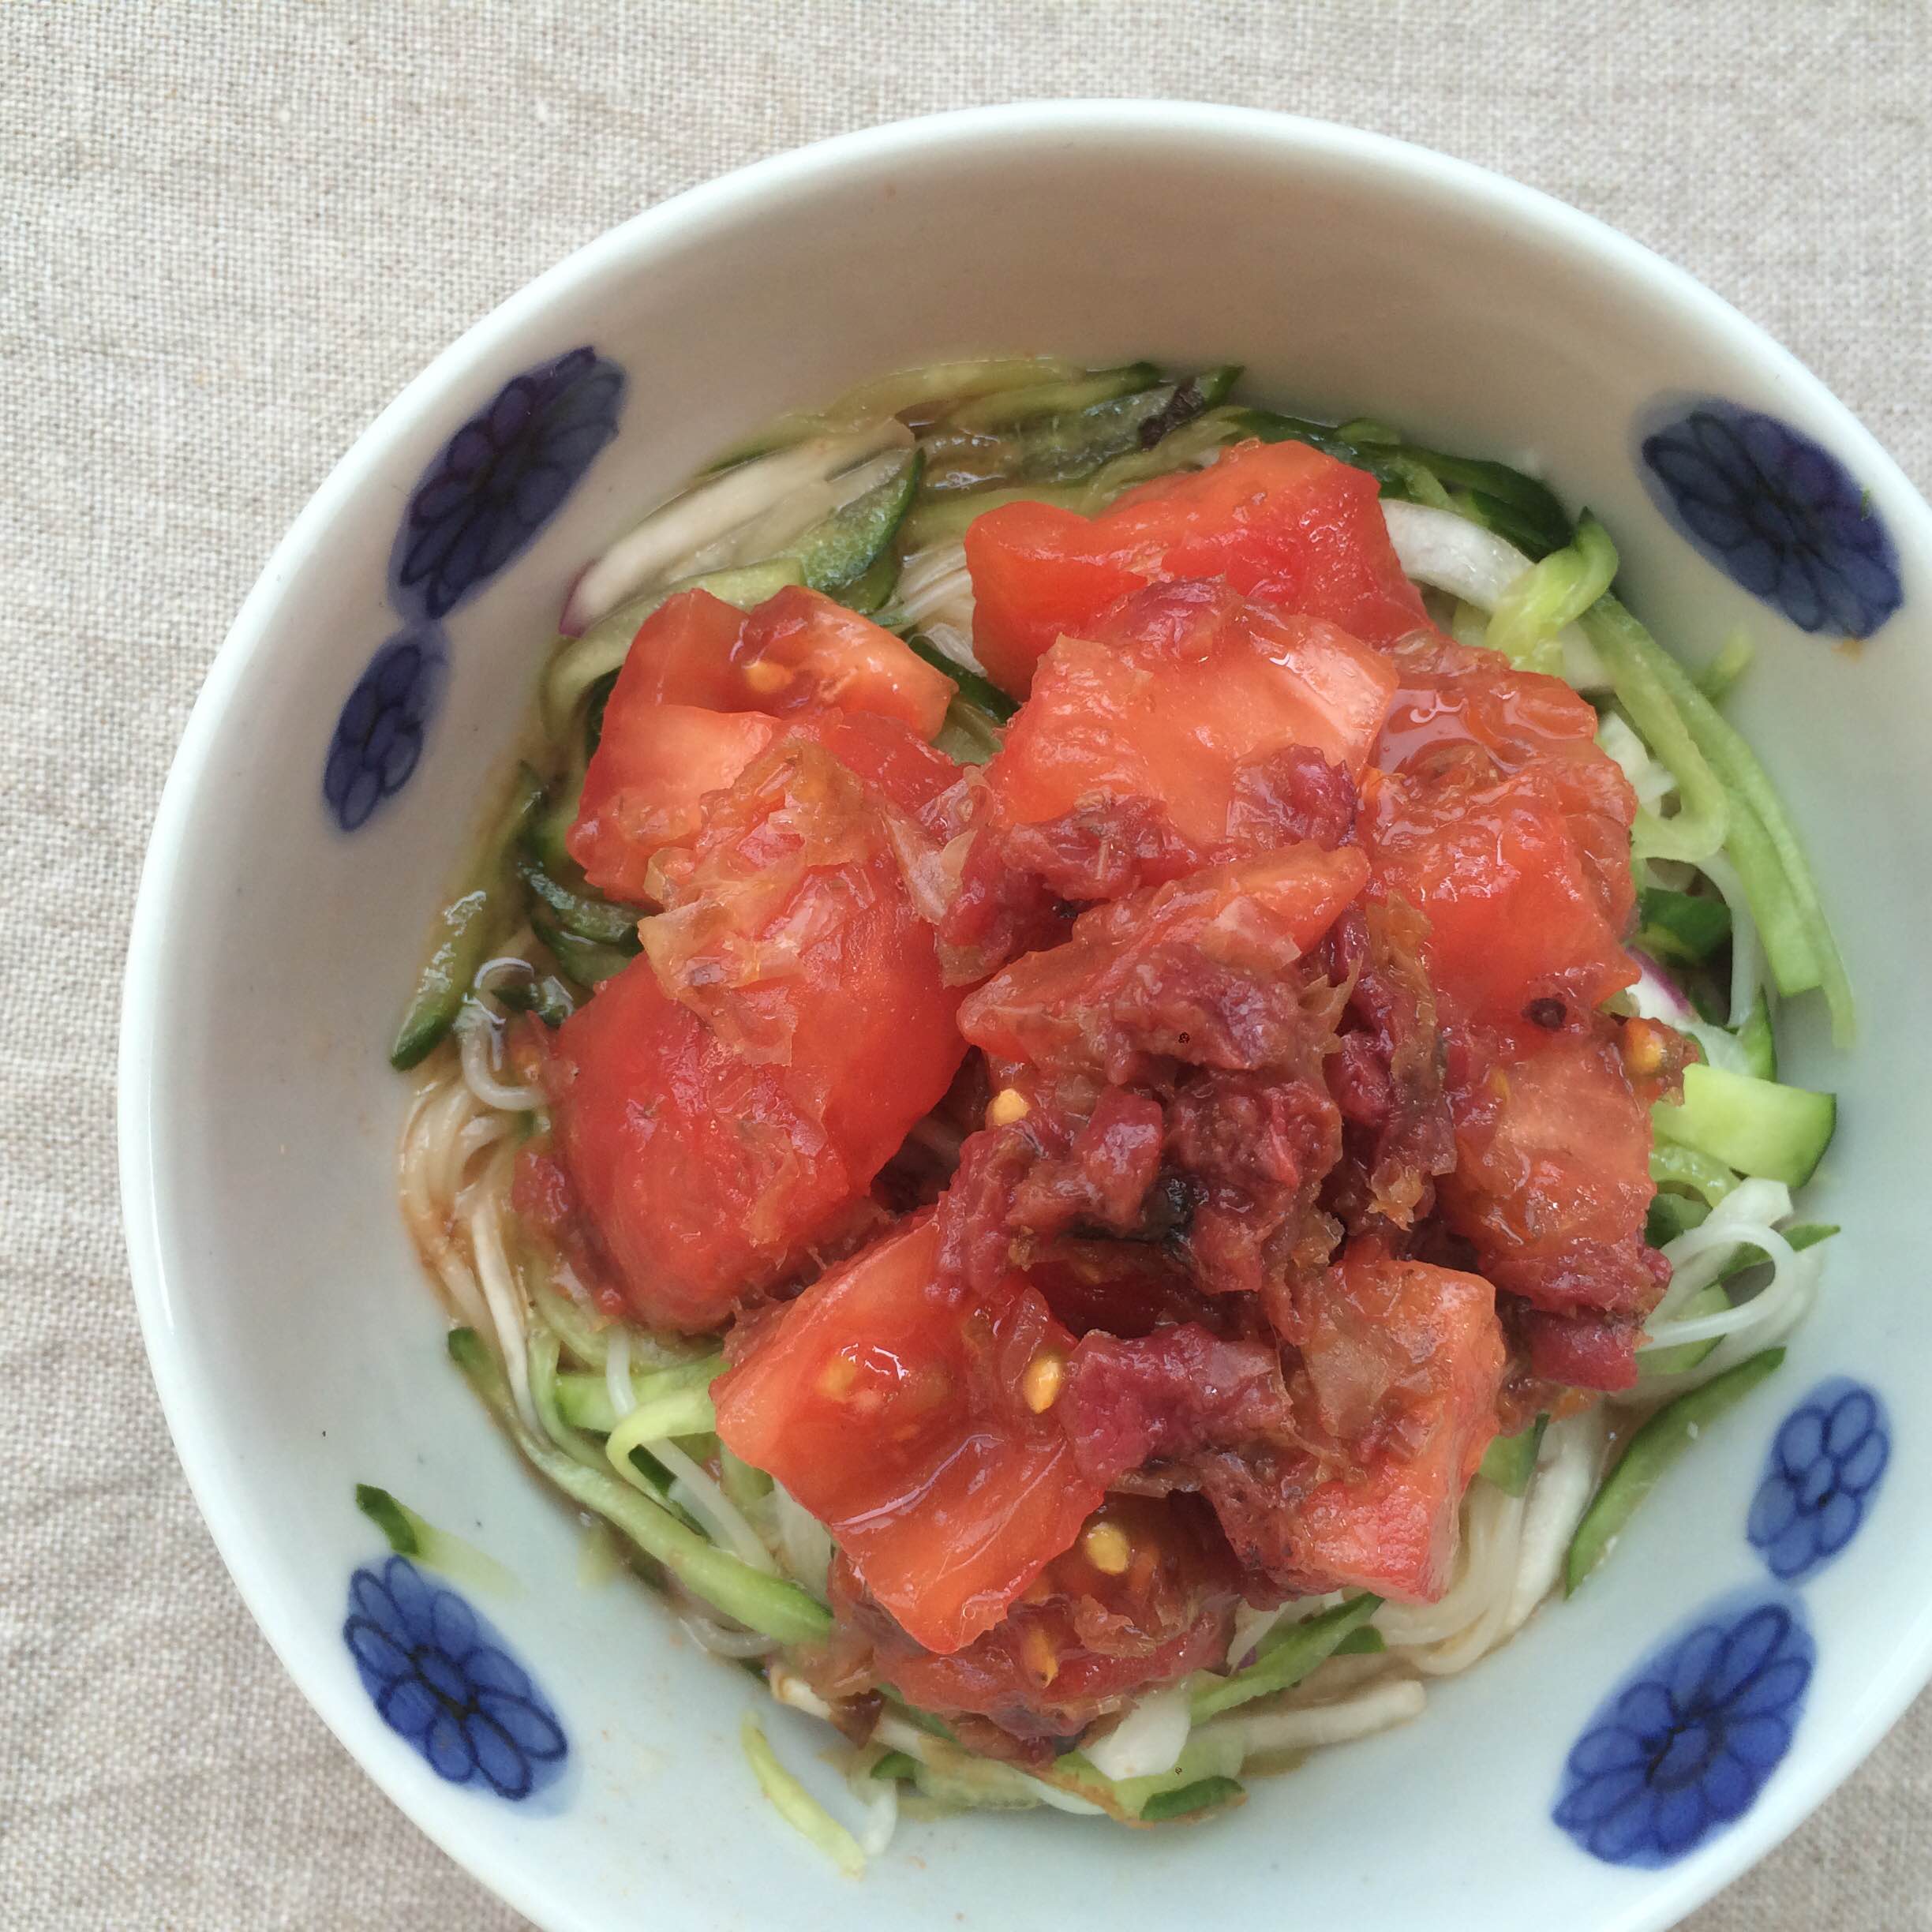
<point x="229" y="236"/>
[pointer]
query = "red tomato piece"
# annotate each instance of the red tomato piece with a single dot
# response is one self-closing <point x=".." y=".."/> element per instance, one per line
<point x="1404" y="1361"/>
<point x="656" y="764"/>
<point x="1179" y="690"/>
<point x="1516" y="909"/>
<point x="1451" y="696"/>
<point x="1448" y="693"/>
<point x="1291" y="528"/>
<point x="834" y="657"/>
<point x="1552" y="1177"/>
<point x="703" y="1178"/>
<point x="1081" y="1640"/>
<point x="1251" y="919"/>
<point x="653" y="767"/>
<point x="894" y="1412"/>
<point x="722" y="1106"/>
<point x="797" y="651"/>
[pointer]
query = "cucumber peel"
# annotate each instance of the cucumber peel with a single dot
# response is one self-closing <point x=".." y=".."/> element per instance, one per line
<point x="1510" y="1461"/>
<point x="414" y="1537"/>
<point x="838" y="552"/>
<point x="585" y="961"/>
<point x="465" y="928"/>
<point x="1285" y="1655"/>
<point x="587" y="913"/>
<point x="1680" y="926"/>
<point x="1207" y="1794"/>
<point x="1651" y="1453"/>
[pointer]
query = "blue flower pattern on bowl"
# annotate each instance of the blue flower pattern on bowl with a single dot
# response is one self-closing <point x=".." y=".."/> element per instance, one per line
<point x="379" y="735"/>
<point x="1684" y="1745"/>
<point x="443" y="1680"/>
<point x="1778" y="513"/>
<point x="492" y="488"/>
<point x="501" y="476"/>
<point x="1824" y="1468"/>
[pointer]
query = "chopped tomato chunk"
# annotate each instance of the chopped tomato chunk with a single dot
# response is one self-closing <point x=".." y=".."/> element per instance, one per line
<point x="895" y="1412"/>
<point x="1194" y="726"/>
<point x="656" y="764"/>
<point x="797" y="651"/>
<point x="705" y="1178"/>
<point x="1402" y="1362"/>
<point x="1516" y="912"/>
<point x="1081" y="1639"/>
<point x="1293" y="529"/>
<point x="1095" y="1003"/>
<point x="1181" y="689"/>
<point x="1447" y="694"/>
<point x="1552" y="1177"/>
<point x="722" y="1106"/>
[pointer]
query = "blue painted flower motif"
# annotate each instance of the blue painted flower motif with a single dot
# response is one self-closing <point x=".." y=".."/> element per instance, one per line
<point x="1824" y="1468"/>
<point x="1778" y="513"/>
<point x="379" y="732"/>
<point x="500" y="478"/>
<point x="442" y="1679"/>
<point x="1684" y="1745"/>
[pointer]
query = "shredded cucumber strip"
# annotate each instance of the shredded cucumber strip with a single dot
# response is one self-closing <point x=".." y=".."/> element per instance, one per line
<point x="1550" y="596"/>
<point x="1770" y="861"/>
<point x="1285" y="1656"/>
<point x="414" y="1536"/>
<point x="678" y="1392"/>
<point x="779" y="1608"/>
<point x="796" y="1804"/>
<point x="1698" y="831"/>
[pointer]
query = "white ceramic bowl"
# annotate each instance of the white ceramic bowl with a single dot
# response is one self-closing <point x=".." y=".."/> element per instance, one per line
<point x="298" y="1351"/>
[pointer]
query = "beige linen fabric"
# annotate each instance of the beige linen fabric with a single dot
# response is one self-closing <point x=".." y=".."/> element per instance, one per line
<point x="227" y="237"/>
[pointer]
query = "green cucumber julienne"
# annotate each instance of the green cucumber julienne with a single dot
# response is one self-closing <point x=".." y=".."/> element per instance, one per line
<point x="760" y="1602"/>
<point x="1678" y="926"/>
<point x="587" y="914"/>
<point x="840" y="550"/>
<point x="1757" y="1126"/>
<point x="1061" y="448"/>
<point x="1205" y="1793"/>
<point x="464" y="930"/>
<point x="1510" y="1460"/>
<point x="1285" y="1655"/>
<point x="1650" y="1452"/>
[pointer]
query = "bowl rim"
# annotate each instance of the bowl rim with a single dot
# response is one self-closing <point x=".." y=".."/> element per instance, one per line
<point x="1667" y="1897"/>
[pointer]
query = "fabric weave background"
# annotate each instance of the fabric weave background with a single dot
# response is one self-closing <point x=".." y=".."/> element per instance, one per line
<point x="227" y="236"/>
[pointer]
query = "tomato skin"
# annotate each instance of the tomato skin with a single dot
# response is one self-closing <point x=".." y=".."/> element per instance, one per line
<point x="722" y="1106"/>
<point x="1293" y="529"/>
<point x="656" y="764"/>
<point x="893" y="1412"/>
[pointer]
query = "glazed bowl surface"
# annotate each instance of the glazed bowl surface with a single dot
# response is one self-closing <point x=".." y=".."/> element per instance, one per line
<point x="1768" y="1613"/>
